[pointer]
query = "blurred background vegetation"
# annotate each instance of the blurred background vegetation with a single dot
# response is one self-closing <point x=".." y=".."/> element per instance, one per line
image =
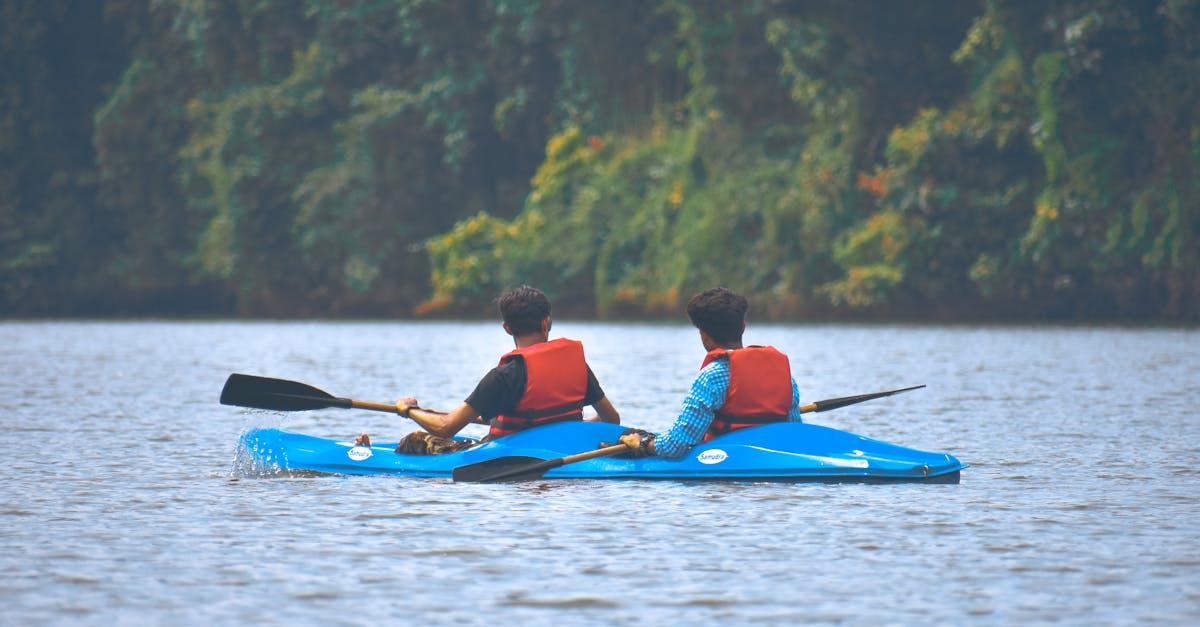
<point x="930" y="159"/>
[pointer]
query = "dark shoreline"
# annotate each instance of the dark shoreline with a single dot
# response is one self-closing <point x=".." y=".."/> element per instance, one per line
<point x="639" y="321"/>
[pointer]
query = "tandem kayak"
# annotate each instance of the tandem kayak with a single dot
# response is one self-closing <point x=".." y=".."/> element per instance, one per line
<point x="774" y="452"/>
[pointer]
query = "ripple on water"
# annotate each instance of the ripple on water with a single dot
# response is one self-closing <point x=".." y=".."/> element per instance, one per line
<point x="705" y="602"/>
<point x="520" y="599"/>
<point x="77" y="579"/>
<point x="447" y="552"/>
<point x="1107" y="579"/>
<point x="392" y="515"/>
<point x="316" y="595"/>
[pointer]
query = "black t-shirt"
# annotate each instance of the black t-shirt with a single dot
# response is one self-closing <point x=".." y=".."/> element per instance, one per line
<point x="501" y="388"/>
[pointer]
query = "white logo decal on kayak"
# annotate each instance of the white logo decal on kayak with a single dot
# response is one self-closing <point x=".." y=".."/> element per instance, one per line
<point x="712" y="456"/>
<point x="358" y="453"/>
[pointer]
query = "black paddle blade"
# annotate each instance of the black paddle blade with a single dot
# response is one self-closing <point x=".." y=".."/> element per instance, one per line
<point x="835" y="403"/>
<point x="245" y="390"/>
<point x="512" y="468"/>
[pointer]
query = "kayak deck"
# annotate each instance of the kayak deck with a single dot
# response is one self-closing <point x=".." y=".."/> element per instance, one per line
<point x="775" y="452"/>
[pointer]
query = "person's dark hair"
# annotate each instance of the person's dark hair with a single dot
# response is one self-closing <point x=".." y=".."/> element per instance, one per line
<point x="523" y="309"/>
<point x="719" y="312"/>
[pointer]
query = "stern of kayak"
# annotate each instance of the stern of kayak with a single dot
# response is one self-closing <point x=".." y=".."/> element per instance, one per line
<point x="784" y="451"/>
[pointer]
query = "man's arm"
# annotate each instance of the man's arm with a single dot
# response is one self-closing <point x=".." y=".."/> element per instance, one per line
<point x="605" y="412"/>
<point x="794" y="411"/>
<point x="435" y="422"/>
<point x="699" y="408"/>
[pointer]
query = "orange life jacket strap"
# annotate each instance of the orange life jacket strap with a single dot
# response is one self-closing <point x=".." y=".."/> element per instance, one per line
<point x="748" y="420"/>
<point x="537" y="414"/>
<point x="508" y="425"/>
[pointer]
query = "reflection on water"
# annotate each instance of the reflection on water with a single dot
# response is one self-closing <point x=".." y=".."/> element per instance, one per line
<point x="125" y="501"/>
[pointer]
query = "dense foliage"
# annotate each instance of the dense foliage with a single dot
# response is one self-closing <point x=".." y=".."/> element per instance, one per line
<point x="929" y="158"/>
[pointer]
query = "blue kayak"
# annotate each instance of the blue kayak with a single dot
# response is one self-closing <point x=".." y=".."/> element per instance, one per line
<point x="774" y="452"/>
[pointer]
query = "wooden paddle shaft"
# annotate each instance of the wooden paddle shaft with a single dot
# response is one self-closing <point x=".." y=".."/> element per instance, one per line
<point x="388" y="407"/>
<point x="600" y="452"/>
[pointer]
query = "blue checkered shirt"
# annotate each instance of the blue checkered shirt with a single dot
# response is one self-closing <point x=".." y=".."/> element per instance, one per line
<point x="705" y="398"/>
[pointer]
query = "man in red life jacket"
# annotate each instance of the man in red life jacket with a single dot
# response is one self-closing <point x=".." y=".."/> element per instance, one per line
<point x="738" y="386"/>
<point x="539" y="382"/>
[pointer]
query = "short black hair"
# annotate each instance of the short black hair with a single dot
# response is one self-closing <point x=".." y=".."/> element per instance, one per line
<point x="523" y="309"/>
<point x="719" y="312"/>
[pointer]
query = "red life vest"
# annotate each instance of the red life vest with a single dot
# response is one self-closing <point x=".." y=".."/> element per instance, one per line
<point x="555" y="386"/>
<point x="760" y="389"/>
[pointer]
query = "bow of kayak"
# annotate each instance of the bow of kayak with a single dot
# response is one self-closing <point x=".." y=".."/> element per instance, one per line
<point x="779" y="452"/>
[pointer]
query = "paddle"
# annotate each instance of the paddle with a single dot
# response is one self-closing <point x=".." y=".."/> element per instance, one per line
<point x="245" y="390"/>
<point x="522" y="468"/>
<point x="834" y="403"/>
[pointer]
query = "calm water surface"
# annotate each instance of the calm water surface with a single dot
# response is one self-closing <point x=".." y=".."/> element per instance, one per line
<point x="121" y="503"/>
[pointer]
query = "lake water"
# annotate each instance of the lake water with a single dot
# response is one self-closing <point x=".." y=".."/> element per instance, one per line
<point x="120" y="503"/>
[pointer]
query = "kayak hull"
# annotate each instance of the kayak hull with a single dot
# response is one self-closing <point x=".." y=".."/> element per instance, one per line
<point x="775" y="452"/>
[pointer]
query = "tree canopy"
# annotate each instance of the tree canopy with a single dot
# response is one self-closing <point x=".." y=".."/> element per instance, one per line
<point x="926" y="159"/>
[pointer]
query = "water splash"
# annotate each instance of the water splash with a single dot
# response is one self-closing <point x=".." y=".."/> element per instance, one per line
<point x="254" y="458"/>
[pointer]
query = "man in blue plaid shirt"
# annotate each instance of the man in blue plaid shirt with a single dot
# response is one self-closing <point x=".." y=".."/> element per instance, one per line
<point x="765" y="391"/>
